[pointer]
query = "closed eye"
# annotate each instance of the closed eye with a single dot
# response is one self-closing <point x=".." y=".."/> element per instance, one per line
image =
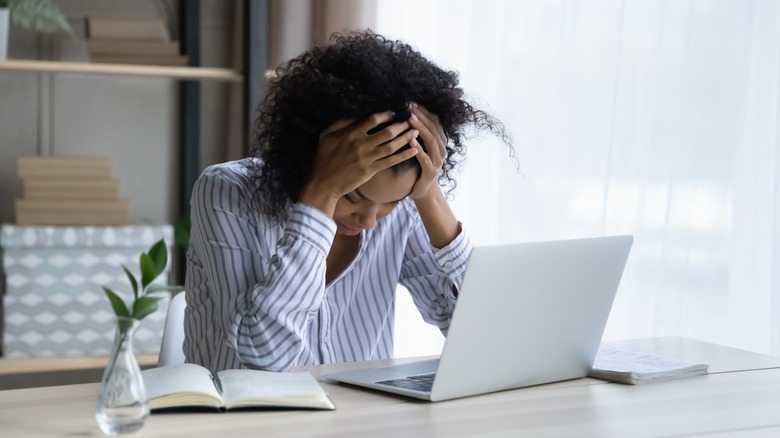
<point x="352" y="198"/>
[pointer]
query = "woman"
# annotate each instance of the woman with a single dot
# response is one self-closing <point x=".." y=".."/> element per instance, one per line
<point x="295" y="255"/>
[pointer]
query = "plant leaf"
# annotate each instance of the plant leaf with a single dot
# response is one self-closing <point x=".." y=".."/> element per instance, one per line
<point x="132" y="279"/>
<point x="120" y="308"/>
<point x="147" y="270"/>
<point x="39" y="15"/>
<point x="145" y="306"/>
<point x="154" y="288"/>
<point x="159" y="255"/>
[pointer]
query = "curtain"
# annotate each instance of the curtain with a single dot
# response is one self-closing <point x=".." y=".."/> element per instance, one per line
<point x="297" y="25"/>
<point x="652" y="118"/>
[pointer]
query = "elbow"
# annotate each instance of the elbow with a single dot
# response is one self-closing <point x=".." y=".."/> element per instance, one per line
<point x="267" y="356"/>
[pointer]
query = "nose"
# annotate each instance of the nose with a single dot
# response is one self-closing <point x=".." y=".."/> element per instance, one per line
<point x="366" y="218"/>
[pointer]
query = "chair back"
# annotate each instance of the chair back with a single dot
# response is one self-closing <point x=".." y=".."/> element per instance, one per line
<point x="171" y="349"/>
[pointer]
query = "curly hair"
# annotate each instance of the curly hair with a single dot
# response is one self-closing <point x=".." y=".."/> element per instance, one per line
<point x="360" y="73"/>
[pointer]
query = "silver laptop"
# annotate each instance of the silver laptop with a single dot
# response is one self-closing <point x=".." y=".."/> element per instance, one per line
<point x="527" y="314"/>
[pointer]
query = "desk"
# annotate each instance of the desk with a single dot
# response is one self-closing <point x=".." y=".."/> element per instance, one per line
<point x="740" y="397"/>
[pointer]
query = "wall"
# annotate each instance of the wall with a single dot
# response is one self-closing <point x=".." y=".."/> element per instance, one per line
<point x="134" y="120"/>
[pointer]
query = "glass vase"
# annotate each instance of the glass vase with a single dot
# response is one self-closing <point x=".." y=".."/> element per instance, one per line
<point x="121" y="404"/>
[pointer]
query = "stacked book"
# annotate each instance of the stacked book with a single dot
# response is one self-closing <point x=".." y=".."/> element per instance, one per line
<point x="69" y="190"/>
<point x="121" y="40"/>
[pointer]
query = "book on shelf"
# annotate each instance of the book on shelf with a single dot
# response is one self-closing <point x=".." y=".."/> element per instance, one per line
<point x="193" y="386"/>
<point x="70" y="188"/>
<point x="126" y="40"/>
<point x="160" y="60"/>
<point x="140" y="28"/>
<point x="64" y="166"/>
<point x="634" y="368"/>
<point x="71" y="212"/>
<point x="129" y="46"/>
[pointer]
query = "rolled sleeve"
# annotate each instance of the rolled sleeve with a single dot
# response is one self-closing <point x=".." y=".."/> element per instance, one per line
<point x="454" y="258"/>
<point x="312" y="225"/>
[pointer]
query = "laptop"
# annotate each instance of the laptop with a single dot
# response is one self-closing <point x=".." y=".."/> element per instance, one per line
<point x="527" y="314"/>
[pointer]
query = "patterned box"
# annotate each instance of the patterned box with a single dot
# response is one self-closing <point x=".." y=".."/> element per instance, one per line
<point x="53" y="301"/>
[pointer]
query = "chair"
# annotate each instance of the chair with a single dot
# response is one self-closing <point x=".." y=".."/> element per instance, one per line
<point x="171" y="352"/>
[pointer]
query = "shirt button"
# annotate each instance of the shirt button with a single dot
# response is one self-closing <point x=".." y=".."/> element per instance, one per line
<point x="448" y="263"/>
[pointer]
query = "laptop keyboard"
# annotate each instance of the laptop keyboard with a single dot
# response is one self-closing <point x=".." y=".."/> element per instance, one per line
<point x="420" y="382"/>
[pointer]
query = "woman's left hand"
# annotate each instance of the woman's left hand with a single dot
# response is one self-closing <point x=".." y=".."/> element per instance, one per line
<point x="432" y="159"/>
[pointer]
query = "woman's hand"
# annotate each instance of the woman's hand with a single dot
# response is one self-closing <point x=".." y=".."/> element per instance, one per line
<point x="440" y="222"/>
<point x="432" y="134"/>
<point x="347" y="157"/>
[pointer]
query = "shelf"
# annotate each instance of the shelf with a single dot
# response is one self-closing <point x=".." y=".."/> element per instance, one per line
<point x="199" y="73"/>
<point x="12" y="366"/>
<point x="35" y="372"/>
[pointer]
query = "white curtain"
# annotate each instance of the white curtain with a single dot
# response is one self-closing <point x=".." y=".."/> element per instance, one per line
<point x="652" y="118"/>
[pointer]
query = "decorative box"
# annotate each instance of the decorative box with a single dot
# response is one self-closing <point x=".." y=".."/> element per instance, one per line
<point x="53" y="302"/>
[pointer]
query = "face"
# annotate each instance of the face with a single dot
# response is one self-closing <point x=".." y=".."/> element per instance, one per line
<point x="360" y="209"/>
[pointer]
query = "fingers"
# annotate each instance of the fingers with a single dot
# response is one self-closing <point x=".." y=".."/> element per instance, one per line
<point x="431" y="132"/>
<point x="380" y="147"/>
<point x="337" y="126"/>
<point x="430" y="121"/>
<point x="390" y="147"/>
<point x="422" y="157"/>
<point x="392" y="160"/>
<point x="374" y="120"/>
<point x="389" y="132"/>
<point x="428" y="168"/>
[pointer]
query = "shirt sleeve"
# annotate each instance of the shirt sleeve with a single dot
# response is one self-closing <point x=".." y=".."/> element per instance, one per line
<point x="433" y="275"/>
<point x="266" y="290"/>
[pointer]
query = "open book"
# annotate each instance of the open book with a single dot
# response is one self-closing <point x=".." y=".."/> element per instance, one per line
<point x="190" y="385"/>
<point x="630" y="367"/>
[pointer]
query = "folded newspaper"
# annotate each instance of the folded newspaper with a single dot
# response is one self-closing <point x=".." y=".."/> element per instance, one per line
<point x="634" y="368"/>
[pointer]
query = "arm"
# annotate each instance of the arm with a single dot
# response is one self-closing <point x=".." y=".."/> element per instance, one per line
<point x="440" y="222"/>
<point x="433" y="276"/>
<point x="265" y="288"/>
<point x="429" y="283"/>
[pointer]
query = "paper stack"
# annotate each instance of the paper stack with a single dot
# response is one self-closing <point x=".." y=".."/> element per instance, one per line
<point x="635" y="368"/>
<point x="69" y="190"/>
<point x="122" y="40"/>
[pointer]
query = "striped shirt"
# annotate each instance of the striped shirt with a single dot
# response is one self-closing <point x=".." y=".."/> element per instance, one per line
<point x="256" y="292"/>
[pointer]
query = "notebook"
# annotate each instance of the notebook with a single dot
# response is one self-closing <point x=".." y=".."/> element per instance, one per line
<point x="527" y="314"/>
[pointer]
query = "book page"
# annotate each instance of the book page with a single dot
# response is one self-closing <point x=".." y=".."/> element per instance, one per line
<point x="180" y="385"/>
<point x="255" y="387"/>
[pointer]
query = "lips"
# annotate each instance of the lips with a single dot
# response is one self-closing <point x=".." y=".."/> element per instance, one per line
<point x="349" y="231"/>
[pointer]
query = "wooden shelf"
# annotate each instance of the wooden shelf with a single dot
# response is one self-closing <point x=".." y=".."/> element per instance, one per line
<point x="9" y="366"/>
<point x="195" y="73"/>
<point x="34" y="372"/>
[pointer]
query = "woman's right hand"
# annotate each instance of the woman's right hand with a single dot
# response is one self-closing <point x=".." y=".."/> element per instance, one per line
<point x="347" y="157"/>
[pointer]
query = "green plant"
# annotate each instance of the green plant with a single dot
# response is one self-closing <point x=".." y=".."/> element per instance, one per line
<point x="152" y="264"/>
<point x="181" y="232"/>
<point x="39" y="15"/>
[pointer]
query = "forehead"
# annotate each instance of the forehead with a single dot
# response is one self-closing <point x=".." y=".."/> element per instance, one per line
<point x="387" y="186"/>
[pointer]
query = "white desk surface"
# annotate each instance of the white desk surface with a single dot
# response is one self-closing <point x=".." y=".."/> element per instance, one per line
<point x="740" y="397"/>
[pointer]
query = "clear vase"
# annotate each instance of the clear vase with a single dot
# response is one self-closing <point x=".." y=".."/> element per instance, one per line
<point x="121" y="404"/>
